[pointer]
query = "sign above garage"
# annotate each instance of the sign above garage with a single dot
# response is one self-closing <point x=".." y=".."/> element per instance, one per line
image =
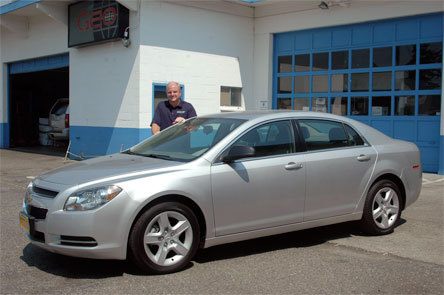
<point x="96" y="21"/>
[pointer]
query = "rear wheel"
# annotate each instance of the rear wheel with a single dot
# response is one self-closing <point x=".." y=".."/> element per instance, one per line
<point x="164" y="238"/>
<point x="382" y="209"/>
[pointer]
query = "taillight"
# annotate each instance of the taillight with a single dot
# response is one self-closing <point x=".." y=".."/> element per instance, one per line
<point x="416" y="167"/>
<point x="66" y="120"/>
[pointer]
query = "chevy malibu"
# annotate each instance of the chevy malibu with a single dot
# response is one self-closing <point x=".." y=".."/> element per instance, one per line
<point x="219" y="179"/>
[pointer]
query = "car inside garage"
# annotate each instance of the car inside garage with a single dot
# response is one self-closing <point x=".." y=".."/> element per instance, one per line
<point x="34" y="92"/>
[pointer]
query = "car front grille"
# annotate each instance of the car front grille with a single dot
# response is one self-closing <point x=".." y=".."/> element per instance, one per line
<point x="77" y="241"/>
<point x="44" y="192"/>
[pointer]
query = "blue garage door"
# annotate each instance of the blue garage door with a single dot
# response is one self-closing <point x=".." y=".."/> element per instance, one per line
<point x="387" y="74"/>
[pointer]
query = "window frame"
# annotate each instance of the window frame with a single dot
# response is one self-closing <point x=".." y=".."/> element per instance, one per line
<point x="343" y="124"/>
<point x="296" y="142"/>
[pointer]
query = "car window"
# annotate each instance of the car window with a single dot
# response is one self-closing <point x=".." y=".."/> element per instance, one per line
<point x="275" y="138"/>
<point x="323" y="134"/>
<point x="60" y="110"/>
<point x="353" y="136"/>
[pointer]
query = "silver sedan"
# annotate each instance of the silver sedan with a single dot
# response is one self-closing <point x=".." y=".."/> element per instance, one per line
<point x="222" y="178"/>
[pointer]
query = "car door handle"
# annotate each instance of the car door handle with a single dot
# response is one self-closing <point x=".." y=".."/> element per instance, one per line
<point x="293" y="166"/>
<point x="363" y="158"/>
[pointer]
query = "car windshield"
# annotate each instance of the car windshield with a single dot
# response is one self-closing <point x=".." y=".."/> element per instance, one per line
<point x="186" y="141"/>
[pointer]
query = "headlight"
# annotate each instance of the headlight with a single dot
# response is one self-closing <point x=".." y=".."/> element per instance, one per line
<point x="28" y="196"/>
<point x="91" y="198"/>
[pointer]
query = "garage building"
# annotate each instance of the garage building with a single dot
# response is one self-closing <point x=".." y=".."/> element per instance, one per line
<point x="379" y="62"/>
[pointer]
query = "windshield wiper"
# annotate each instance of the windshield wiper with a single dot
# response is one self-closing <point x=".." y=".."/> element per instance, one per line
<point x="157" y="156"/>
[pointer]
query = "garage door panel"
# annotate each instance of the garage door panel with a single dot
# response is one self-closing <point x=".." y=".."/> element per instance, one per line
<point x="405" y="130"/>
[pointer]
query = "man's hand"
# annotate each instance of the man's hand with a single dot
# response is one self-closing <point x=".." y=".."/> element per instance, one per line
<point x="179" y="120"/>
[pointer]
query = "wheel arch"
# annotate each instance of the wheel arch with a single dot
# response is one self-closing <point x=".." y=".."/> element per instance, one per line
<point x="179" y="199"/>
<point x="397" y="181"/>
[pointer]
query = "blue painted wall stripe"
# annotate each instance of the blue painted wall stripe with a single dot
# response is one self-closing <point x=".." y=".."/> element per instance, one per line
<point x="16" y="5"/>
<point x="88" y="142"/>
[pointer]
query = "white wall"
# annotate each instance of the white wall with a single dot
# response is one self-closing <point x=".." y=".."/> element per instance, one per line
<point x="200" y="48"/>
<point x="358" y="11"/>
<point x="44" y="37"/>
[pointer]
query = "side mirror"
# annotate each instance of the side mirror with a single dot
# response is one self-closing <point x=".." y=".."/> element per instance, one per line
<point x="238" y="152"/>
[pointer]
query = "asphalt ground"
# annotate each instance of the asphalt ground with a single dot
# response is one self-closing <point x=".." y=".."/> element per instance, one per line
<point x="335" y="259"/>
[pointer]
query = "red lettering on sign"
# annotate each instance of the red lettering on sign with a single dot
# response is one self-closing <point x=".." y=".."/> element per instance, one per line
<point x="96" y="19"/>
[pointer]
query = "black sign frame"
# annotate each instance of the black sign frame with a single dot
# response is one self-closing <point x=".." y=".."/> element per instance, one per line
<point x="106" y="20"/>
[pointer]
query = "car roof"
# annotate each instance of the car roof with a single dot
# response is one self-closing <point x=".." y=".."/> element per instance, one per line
<point x="272" y="114"/>
<point x="372" y="135"/>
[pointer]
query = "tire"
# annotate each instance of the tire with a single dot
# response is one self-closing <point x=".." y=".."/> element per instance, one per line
<point x="382" y="209"/>
<point x="164" y="238"/>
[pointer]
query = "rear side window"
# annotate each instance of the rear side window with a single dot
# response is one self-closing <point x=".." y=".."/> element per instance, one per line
<point x="323" y="134"/>
<point x="353" y="136"/>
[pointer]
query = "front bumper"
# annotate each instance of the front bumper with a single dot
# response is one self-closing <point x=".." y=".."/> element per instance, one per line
<point x="100" y="234"/>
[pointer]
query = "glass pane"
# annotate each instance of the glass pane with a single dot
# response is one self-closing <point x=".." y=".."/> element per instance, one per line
<point x="404" y="105"/>
<point x="382" y="57"/>
<point x="302" y="84"/>
<point x="284" y="64"/>
<point x="284" y="103"/>
<point x="430" y="105"/>
<point x="301" y="104"/>
<point x="284" y="84"/>
<point x="320" y="83"/>
<point x="339" y="60"/>
<point x="382" y="81"/>
<point x="405" y="55"/>
<point x="381" y="106"/>
<point x="339" y="83"/>
<point x="405" y="80"/>
<point x="359" y="82"/>
<point x="339" y="106"/>
<point x="360" y="58"/>
<point x="274" y="138"/>
<point x="319" y="104"/>
<point x="322" y="134"/>
<point x="320" y="61"/>
<point x="431" y="53"/>
<point x="359" y="106"/>
<point x="353" y="136"/>
<point x="302" y="62"/>
<point x="430" y="79"/>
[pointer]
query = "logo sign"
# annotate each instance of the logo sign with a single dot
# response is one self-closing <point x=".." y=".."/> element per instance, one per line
<point x="96" y="21"/>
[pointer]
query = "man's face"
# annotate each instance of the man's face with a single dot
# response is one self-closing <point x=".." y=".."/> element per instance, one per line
<point x="173" y="93"/>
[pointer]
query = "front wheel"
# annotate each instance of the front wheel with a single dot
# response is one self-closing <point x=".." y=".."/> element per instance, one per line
<point x="164" y="238"/>
<point x="382" y="209"/>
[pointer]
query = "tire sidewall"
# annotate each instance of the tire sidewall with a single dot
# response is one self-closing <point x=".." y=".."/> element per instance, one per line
<point x="136" y="247"/>
<point x="368" y="223"/>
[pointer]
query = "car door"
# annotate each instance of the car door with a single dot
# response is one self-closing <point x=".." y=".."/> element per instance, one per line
<point x="339" y="165"/>
<point x="263" y="191"/>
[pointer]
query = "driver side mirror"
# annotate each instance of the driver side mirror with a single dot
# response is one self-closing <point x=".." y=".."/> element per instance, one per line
<point x="238" y="152"/>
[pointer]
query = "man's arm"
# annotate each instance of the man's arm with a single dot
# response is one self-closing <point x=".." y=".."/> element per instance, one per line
<point x="155" y="128"/>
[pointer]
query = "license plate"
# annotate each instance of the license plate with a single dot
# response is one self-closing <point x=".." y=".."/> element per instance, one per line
<point x="24" y="222"/>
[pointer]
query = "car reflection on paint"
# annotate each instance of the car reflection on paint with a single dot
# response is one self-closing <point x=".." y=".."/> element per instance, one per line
<point x="222" y="178"/>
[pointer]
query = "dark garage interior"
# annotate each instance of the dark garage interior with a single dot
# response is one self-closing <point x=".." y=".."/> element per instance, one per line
<point x="31" y="97"/>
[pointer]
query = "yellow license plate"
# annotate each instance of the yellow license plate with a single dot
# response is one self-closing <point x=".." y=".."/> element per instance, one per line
<point x="24" y="222"/>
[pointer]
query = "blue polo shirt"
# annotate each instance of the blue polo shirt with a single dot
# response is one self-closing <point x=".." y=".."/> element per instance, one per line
<point x="166" y="114"/>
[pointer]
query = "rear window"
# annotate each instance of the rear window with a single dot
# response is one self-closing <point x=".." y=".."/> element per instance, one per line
<point x="324" y="134"/>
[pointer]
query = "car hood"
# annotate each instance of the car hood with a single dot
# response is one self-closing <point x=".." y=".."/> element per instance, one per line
<point x="105" y="167"/>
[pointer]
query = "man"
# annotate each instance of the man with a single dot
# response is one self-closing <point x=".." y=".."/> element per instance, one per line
<point x="172" y="111"/>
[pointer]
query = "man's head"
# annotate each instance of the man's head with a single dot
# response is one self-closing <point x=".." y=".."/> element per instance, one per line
<point x="173" y="93"/>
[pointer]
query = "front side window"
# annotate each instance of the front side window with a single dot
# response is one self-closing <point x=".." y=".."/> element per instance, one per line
<point x="275" y="138"/>
<point x="323" y="134"/>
